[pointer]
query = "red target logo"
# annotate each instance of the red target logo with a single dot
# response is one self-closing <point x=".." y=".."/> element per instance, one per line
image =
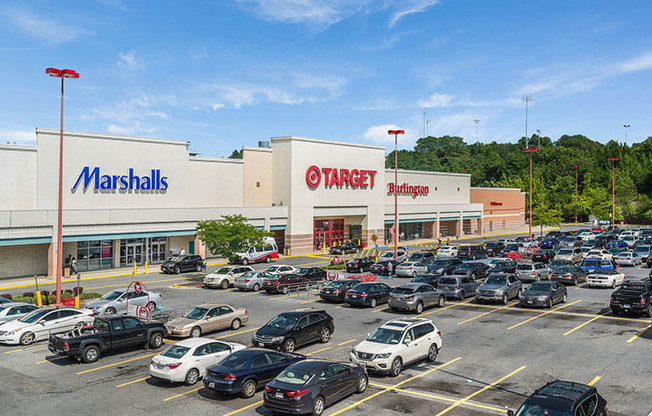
<point x="313" y="176"/>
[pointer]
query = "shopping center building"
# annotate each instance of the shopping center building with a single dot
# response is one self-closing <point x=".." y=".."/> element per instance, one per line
<point x="134" y="199"/>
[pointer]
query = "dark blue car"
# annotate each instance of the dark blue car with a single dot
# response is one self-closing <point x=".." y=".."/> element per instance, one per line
<point x="619" y="244"/>
<point x="549" y="243"/>
<point x="589" y="265"/>
<point x="245" y="371"/>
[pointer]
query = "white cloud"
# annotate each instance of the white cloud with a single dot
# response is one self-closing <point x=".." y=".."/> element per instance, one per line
<point x="43" y="28"/>
<point x="379" y="134"/>
<point x="437" y="100"/>
<point x="217" y="106"/>
<point x="130" y="61"/>
<point x="131" y="115"/>
<point x="411" y="7"/>
<point x="639" y="63"/>
<point x="17" y="135"/>
<point x="389" y="43"/>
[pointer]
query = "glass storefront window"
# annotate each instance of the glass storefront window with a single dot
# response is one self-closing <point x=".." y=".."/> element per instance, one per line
<point x="94" y="255"/>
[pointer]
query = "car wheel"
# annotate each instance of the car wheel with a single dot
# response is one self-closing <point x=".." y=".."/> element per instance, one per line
<point x="80" y="324"/>
<point x="648" y="311"/>
<point x="462" y="295"/>
<point x="433" y="351"/>
<point x="256" y="287"/>
<point x="325" y="334"/>
<point x="363" y="382"/>
<point x="565" y="298"/>
<point x="110" y="311"/>
<point x="505" y="299"/>
<point x="235" y="324"/>
<point x="156" y="341"/>
<point x="195" y="332"/>
<point x="613" y="284"/>
<point x="288" y="345"/>
<point x="90" y="354"/>
<point x="27" y="338"/>
<point x="373" y="302"/>
<point x="286" y="289"/>
<point x="419" y="308"/>
<point x="224" y="284"/>
<point x="151" y="306"/>
<point x="414" y="274"/>
<point x="245" y="262"/>
<point x="192" y="376"/>
<point x="198" y="268"/>
<point x="537" y="277"/>
<point x="396" y="367"/>
<point x="268" y="259"/>
<point x="177" y="270"/>
<point x="550" y="303"/>
<point x="318" y="406"/>
<point x="442" y="301"/>
<point x="248" y="389"/>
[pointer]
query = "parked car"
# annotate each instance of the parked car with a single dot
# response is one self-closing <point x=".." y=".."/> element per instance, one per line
<point x="561" y="398"/>
<point x="116" y="301"/>
<point x="285" y="283"/>
<point x="573" y="254"/>
<point x="359" y="265"/>
<point x="605" y="278"/>
<point x="245" y="371"/>
<point x="556" y="264"/>
<point x="4" y="300"/>
<point x="384" y="267"/>
<point x="336" y="290"/>
<point x="423" y="257"/>
<point x="267" y="251"/>
<point x="458" y="287"/>
<point x="344" y="248"/>
<point x="628" y="258"/>
<point x="10" y="311"/>
<point x="409" y="269"/>
<point x="644" y="251"/>
<point x="281" y="269"/>
<point x="588" y="265"/>
<point x="183" y="263"/>
<point x="443" y="266"/>
<point x="447" y="251"/>
<point x="545" y="294"/>
<point x="494" y="248"/>
<point x="207" y="318"/>
<point x="619" y="244"/>
<point x="571" y="242"/>
<point x="544" y="255"/>
<point x="625" y="234"/>
<point x="630" y="241"/>
<point x="40" y="323"/>
<point x="415" y="297"/>
<point x="498" y="287"/>
<point x="401" y="253"/>
<point x="471" y="253"/>
<point x="632" y="296"/>
<point x="502" y="266"/>
<point x="290" y="330"/>
<point x="251" y="280"/>
<point x="549" y="243"/>
<point x="225" y="276"/>
<point x="570" y="274"/>
<point x="476" y="270"/>
<point x="309" y="386"/>
<point x="532" y="272"/>
<point x="396" y="344"/>
<point x="187" y="361"/>
<point x="599" y="254"/>
<point x="88" y="343"/>
<point x="586" y="236"/>
<point x="367" y="294"/>
<point x="429" y="279"/>
<point x="314" y="274"/>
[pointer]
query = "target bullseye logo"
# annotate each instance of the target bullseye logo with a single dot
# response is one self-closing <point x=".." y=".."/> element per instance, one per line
<point x="313" y="176"/>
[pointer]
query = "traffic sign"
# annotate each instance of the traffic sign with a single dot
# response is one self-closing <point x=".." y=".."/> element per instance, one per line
<point x="142" y="312"/>
<point x="138" y="288"/>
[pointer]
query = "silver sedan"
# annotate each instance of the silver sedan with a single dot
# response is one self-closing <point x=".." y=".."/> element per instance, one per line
<point x="252" y="280"/>
<point x="410" y="269"/>
<point x="14" y="310"/>
<point x="415" y="297"/>
<point x="116" y="301"/>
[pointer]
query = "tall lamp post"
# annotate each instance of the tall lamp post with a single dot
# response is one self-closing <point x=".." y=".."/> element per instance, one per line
<point x="477" y="122"/>
<point x="576" y="169"/>
<point x="396" y="133"/>
<point x="626" y="126"/>
<point x="613" y="192"/>
<point x="60" y="73"/>
<point x="530" y="150"/>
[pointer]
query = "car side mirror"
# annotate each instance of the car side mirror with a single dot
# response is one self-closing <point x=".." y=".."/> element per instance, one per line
<point x="42" y="322"/>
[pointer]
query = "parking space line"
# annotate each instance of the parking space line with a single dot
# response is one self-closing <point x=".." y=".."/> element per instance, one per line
<point x="26" y="348"/>
<point x="310" y="301"/>
<point x="485" y="388"/>
<point x="148" y="282"/>
<point x="238" y="333"/>
<point x="380" y="310"/>
<point x="183" y="394"/>
<point x="595" y="380"/>
<point x="131" y="382"/>
<point x="639" y="333"/>
<point x="47" y="360"/>
<point x="118" y="363"/>
<point x="582" y="325"/>
<point x="323" y="349"/>
<point x="543" y="314"/>
<point x="359" y="402"/>
<point x="346" y="342"/>
<point x="244" y="408"/>
<point x="487" y="313"/>
<point x="444" y="308"/>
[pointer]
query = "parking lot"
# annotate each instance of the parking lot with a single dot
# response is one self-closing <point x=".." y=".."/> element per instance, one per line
<point x="493" y="357"/>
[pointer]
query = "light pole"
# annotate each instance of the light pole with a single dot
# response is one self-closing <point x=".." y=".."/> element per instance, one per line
<point x="424" y="123"/>
<point x="626" y="126"/>
<point x="530" y="150"/>
<point x="613" y="192"/>
<point x="60" y="73"/>
<point x="527" y="100"/>
<point x="539" y="138"/>
<point x="477" y="122"/>
<point x="427" y="124"/>
<point x="576" y="169"/>
<point x="396" y="133"/>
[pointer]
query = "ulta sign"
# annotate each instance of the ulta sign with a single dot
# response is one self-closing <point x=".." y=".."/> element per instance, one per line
<point x="154" y="182"/>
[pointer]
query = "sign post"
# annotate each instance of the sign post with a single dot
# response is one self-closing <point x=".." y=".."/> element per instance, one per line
<point x="77" y="294"/>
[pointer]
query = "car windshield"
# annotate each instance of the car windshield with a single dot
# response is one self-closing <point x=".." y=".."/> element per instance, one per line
<point x="563" y="251"/>
<point x="113" y="295"/>
<point x="196" y="313"/>
<point x="625" y="254"/>
<point x="524" y="267"/>
<point x="642" y="249"/>
<point x="403" y="290"/>
<point x="511" y="247"/>
<point x="558" y="263"/>
<point x="565" y="270"/>
<point x="537" y="410"/>
<point x="224" y="270"/>
<point x="604" y="271"/>
<point x="467" y="266"/>
<point x="234" y="360"/>
<point x="385" y="336"/>
<point x="422" y="279"/>
<point x="448" y="281"/>
<point x="250" y="274"/>
<point x="440" y="263"/>
<point x="337" y="284"/>
<point x="303" y="270"/>
<point x="495" y="280"/>
<point x="175" y="351"/>
<point x="589" y="263"/>
<point x="176" y="259"/>
<point x="101" y="324"/>
<point x="282" y="322"/>
<point x="538" y="287"/>
<point x="35" y="316"/>
<point x="296" y="377"/>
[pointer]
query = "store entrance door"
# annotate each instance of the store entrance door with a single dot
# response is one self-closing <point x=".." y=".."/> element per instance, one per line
<point x="328" y="232"/>
<point x="158" y="248"/>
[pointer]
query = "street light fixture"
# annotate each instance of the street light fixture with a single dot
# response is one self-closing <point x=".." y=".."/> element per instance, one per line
<point x="576" y="168"/>
<point x="613" y="192"/>
<point x="530" y="150"/>
<point x="396" y="133"/>
<point x="477" y="122"/>
<point x="626" y="126"/>
<point x="527" y="100"/>
<point x="60" y="73"/>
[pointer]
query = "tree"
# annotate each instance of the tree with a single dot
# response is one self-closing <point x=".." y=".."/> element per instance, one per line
<point x="236" y="154"/>
<point x="544" y="215"/>
<point x="230" y="235"/>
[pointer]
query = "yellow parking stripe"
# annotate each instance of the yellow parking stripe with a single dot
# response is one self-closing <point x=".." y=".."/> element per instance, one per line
<point x="595" y="380"/>
<point x="487" y="313"/>
<point x="582" y="325"/>
<point x="47" y="360"/>
<point x="118" y="363"/>
<point x="183" y="394"/>
<point x="237" y="333"/>
<point x="346" y="342"/>
<point x="243" y="408"/>
<point x="26" y="348"/>
<point x="445" y="307"/>
<point x="131" y="382"/>
<point x="543" y="314"/>
<point x="639" y="334"/>
<point x="323" y="349"/>
<point x="380" y="310"/>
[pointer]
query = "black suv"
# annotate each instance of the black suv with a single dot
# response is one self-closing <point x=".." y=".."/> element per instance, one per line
<point x="183" y="263"/>
<point x="494" y="248"/>
<point x="633" y="296"/>
<point x="471" y="253"/>
<point x="443" y="266"/>
<point x="348" y="247"/>
<point x="289" y="330"/>
<point x="314" y="274"/>
<point x="359" y="265"/>
<point x="563" y="398"/>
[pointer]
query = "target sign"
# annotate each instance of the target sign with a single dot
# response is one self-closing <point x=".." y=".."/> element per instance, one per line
<point x="138" y="288"/>
<point x="142" y="312"/>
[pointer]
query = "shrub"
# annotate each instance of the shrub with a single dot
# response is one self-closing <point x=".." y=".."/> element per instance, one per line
<point x="21" y="298"/>
<point x="74" y="290"/>
<point x="28" y="294"/>
<point x="66" y="295"/>
<point x="68" y="291"/>
<point x="340" y="266"/>
<point x="6" y="296"/>
<point x="91" y="295"/>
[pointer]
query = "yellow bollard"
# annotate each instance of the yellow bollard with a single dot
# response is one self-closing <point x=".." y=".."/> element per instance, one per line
<point x="76" y="302"/>
<point x="134" y="268"/>
<point x="39" y="301"/>
<point x="145" y="268"/>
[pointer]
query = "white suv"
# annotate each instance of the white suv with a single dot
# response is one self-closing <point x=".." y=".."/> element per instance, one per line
<point x="396" y="343"/>
<point x="225" y="276"/>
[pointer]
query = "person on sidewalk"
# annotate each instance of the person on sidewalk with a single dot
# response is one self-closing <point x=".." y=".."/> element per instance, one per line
<point x="73" y="266"/>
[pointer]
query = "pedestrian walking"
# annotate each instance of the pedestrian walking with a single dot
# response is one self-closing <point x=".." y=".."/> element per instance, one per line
<point x="203" y="265"/>
<point x="73" y="266"/>
<point x="183" y="251"/>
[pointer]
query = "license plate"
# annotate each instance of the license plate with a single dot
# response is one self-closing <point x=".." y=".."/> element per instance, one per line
<point x="278" y="395"/>
<point x="354" y="296"/>
<point x="260" y="344"/>
<point x="529" y="301"/>
<point x="159" y="366"/>
<point x="485" y="297"/>
<point x="626" y="306"/>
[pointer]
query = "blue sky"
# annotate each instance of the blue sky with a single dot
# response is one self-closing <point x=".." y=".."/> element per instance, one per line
<point x="228" y="73"/>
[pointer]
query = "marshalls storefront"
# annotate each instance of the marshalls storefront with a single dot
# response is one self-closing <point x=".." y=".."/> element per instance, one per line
<point x="133" y="199"/>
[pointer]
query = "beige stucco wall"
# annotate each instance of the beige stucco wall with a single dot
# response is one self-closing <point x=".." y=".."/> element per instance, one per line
<point x="214" y="183"/>
<point x="444" y="188"/>
<point x="17" y="177"/>
<point x="257" y="177"/>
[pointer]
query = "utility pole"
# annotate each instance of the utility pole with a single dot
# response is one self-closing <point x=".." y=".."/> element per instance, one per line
<point x="527" y="100"/>
<point x="626" y="126"/>
<point x="477" y="122"/>
<point x="427" y="123"/>
<point x="539" y="140"/>
<point x="424" y="123"/>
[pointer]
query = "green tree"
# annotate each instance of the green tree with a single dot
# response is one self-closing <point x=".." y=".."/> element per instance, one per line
<point x="544" y="215"/>
<point x="230" y="235"/>
<point x="236" y="154"/>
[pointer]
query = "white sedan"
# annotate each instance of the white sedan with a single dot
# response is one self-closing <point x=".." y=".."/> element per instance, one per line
<point x="187" y="360"/>
<point x="605" y="278"/>
<point x="599" y="254"/>
<point x="447" y="251"/>
<point x="586" y="236"/>
<point x="39" y="324"/>
<point x="628" y="258"/>
<point x="281" y="269"/>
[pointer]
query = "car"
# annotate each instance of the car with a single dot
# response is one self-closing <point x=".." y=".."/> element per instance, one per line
<point x="569" y="274"/>
<point x="619" y="244"/>
<point x="183" y="263"/>
<point x="527" y="242"/>
<point x="605" y="278"/>
<point x="285" y="283"/>
<point x="309" y="386"/>
<point x="415" y="297"/>
<point x="245" y="371"/>
<point x="571" y="242"/>
<point x="494" y="248"/>
<point x="225" y="276"/>
<point x="509" y="240"/>
<point x="545" y="294"/>
<point x="447" y="251"/>
<point x="401" y="253"/>
<point x="549" y="243"/>
<point x="187" y="361"/>
<point x="588" y="265"/>
<point x="474" y="269"/>
<point x="599" y="254"/>
<point x="514" y="251"/>
<point x="646" y="234"/>
<point x="591" y="244"/>
<point x="410" y="269"/>
<point x="40" y="323"/>
<point x="266" y="251"/>
<point x="573" y="254"/>
<point x="336" y="290"/>
<point x="281" y="269"/>
<point x="471" y="252"/>
<point x="498" y="287"/>
<point x="10" y="311"/>
<point x="532" y="272"/>
<point x="107" y="334"/>
<point x="644" y="251"/>
<point x="4" y="300"/>
<point x="344" y="248"/>
<point x="625" y="234"/>
<point x="586" y="236"/>
<point x="502" y="265"/>
<point x="423" y="257"/>
<point x="314" y="274"/>
<point x="632" y="296"/>
<point x="628" y="258"/>
<point x="207" y="318"/>
<point x="544" y="255"/>
<point x="555" y="264"/>
<point x="445" y="265"/>
<point x="359" y="265"/>
<point x="116" y="301"/>
<point x="630" y="241"/>
<point x="458" y="287"/>
<point x="384" y="267"/>
<point x="290" y="330"/>
<point x="251" y="280"/>
<point x="563" y="398"/>
<point x="367" y="294"/>
<point x="429" y="279"/>
<point x="396" y="344"/>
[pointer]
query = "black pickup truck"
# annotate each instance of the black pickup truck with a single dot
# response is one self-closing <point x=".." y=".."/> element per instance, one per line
<point x="633" y="296"/>
<point x="107" y="334"/>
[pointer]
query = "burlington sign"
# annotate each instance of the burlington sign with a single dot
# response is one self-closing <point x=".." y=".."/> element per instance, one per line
<point x="129" y="182"/>
<point x="407" y="189"/>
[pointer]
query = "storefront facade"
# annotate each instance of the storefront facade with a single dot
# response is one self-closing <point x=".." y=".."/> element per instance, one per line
<point x="503" y="208"/>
